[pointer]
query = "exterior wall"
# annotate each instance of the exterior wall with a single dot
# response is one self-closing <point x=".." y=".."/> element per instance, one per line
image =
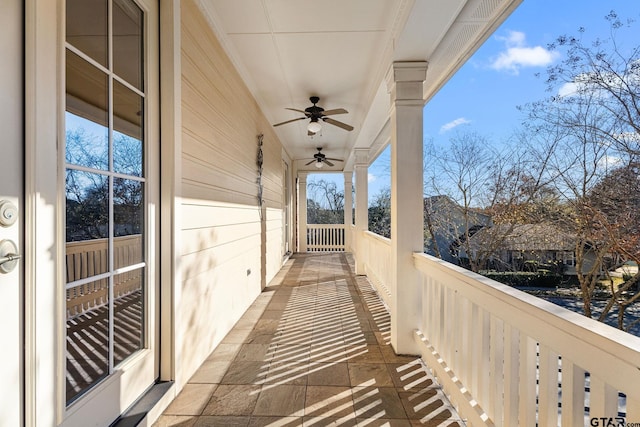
<point x="228" y="250"/>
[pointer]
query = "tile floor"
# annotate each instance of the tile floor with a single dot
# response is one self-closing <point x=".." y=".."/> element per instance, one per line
<point x="313" y="350"/>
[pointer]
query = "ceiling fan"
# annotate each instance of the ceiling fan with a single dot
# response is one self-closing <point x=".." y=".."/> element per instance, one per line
<point x="316" y="114"/>
<point x="320" y="159"/>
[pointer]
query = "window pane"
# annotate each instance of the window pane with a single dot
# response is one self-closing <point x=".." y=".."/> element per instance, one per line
<point x="87" y="27"/>
<point x="87" y="337"/>
<point x="87" y="132"/>
<point x="127" y="134"/>
<point x="87" y="205"/>
<point x="128" y="309"/>
<point x="128" y="209"/>
<point x="86" y="258"/>
<point x="127" y="41"/>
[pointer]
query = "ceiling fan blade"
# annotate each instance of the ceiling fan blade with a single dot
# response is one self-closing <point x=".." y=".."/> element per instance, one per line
<point x="309" y="133"/>
<point x="334" y="111"/>
<point x="335" y="160"/>
<point x="299" y="111"/>
<point x="327" y="161"/>
<point x="289" y="121"/>
<point x="337" y="123"/>
<point x="307" y="164"/>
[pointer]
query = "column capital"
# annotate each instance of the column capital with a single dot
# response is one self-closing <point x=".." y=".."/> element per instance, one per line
<point x="407" y="71"/>
<point x="362" y="157"/>
<point x="348" y="176"/>
<point x="302" y="176"/>
<point x="405" y="80"/>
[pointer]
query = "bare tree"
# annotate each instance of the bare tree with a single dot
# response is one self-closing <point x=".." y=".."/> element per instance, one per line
<point x="602" y="75"/>
<point x="476" y="186"/>
<point x="591" y="127"/>
<point x="326" y="204"/>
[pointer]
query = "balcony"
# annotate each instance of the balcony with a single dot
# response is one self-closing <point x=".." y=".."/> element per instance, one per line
<point x="316" y="342"/>
<point x="315" y="348"/>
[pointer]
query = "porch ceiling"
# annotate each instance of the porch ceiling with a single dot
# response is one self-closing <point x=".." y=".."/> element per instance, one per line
<point x="289" y="50"/>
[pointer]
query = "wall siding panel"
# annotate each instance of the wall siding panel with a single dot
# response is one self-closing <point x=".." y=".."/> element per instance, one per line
<point x="222" y="246"/>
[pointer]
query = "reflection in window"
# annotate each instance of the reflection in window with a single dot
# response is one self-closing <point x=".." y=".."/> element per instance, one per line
<point x="104" y="189"/>
<point x="127" y="137"/>
<point x="87" y="116"/>
<point x="127" y="41"/>
<point x="87" y="28"/>
<point x="87" y="205"/>
<point x="87" y="353"/>
<point x="128" y="314"/>
<point x="87" y="143"/>
<point x="127" y="207"/>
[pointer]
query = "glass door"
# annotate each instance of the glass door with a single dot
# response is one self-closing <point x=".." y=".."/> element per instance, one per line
<point x="107" y="194"/>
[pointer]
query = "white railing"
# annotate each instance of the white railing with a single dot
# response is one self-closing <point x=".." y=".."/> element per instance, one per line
<point x="376" y="253"/>
<point x="88" y="258"/>
<point x="351" y="234"/>
<point x="507" y="358"/>
<point x="325" y="237"/>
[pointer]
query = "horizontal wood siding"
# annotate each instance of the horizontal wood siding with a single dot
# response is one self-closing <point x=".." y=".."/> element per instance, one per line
<point x="222" y="241"/>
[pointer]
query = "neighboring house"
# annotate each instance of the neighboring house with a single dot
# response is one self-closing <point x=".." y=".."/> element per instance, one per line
<point x="446" y="222"/>
<point x="528" y="247"/>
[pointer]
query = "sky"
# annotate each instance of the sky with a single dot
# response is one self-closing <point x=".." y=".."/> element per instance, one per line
<point x="483" y="95"/>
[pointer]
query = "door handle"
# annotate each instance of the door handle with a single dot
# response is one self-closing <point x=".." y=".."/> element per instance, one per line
<point x="8" y="256"/>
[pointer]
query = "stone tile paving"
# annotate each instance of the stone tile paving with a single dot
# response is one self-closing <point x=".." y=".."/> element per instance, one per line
<point x="313" y="350"/>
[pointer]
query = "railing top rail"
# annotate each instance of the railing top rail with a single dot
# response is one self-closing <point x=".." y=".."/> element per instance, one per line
<point x="325" y="225"/>
<point x="372" y="235"/>
<point x="586" y="341"/>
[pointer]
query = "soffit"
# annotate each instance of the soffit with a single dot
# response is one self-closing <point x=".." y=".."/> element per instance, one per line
<point x="289" y="50"/>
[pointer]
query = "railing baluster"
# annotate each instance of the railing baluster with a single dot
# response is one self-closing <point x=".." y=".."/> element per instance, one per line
<point x="511" y="368"/>
<point x="485" y="349"/>
<point x="528" y="370"/>
<point x="603" y="399"/>
<point x="548" y="387"/>
<point x="496" y="371"/>
<point x="325" y="237"/>
<point x="474" y="349"/>
<point x="573" y="384"/>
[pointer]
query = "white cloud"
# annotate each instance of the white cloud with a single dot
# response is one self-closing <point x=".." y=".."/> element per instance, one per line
<point x="518" y="55"/>
<point x="568" y="89"/>
<point x="371" y="177"/>
<point x="452" y="124"/>
<point x="600" y="84"/>
<point x="608" y="162"/>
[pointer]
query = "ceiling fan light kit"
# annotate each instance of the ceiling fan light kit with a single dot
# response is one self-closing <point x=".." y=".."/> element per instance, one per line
<point x="314" y="126"/>
<point x="320" y="159"/>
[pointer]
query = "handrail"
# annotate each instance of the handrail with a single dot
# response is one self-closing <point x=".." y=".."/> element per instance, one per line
<point x="325" y="237"/>
<point x="490" y="344"/>
<point x="377" y="258"/>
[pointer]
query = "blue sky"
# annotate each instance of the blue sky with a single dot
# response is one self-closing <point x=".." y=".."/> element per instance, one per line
<point x="482" y="97"/>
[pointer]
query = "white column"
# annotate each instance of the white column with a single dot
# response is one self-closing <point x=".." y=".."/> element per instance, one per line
<point x="348" y="205"/>
<point x="405" y="84"/>
<point x="362" y="207"/>
<point x="302" y="212"/>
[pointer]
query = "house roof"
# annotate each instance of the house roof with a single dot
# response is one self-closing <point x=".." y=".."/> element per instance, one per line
<point x="525" y="237"/>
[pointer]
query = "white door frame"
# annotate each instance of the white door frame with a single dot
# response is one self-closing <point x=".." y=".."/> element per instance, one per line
<point x="44" y="255"/>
